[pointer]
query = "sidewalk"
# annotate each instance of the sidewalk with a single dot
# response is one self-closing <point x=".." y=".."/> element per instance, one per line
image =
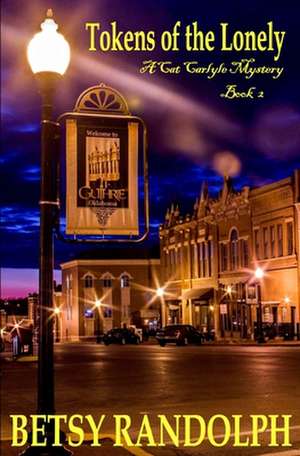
<point x="251" y="343"/>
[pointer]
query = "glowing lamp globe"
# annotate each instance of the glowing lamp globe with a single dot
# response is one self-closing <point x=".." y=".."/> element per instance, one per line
<point x="259" y="273"/>
<point x="48" y="51"/>
<point x="160" y="292"/>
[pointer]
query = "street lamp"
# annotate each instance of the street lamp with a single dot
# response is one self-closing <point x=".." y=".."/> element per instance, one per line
<point x="48" y="51"/>
<point x="259" y="274"/>
<point x="160" y="292"/>
<point x="97" y="311"/>
<point x="56" y="314"/>
<point x="48" y="55"/>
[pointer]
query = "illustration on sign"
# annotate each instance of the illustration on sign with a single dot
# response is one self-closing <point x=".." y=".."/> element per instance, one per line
<point x="102" y="157"/>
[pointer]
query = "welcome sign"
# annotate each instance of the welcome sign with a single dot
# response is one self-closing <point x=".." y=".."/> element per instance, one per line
<point x="102" y="175"/>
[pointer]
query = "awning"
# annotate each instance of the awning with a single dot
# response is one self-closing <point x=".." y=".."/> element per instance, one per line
<point x="196" y="293"/>
<point x="234" y="280"/>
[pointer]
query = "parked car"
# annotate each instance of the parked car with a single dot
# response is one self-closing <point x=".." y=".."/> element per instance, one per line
<point x="179" y="335"/>
<point x="121" y="336"/>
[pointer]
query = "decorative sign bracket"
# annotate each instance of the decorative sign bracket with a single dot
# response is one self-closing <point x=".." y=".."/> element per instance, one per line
<point x="102" y="99"/>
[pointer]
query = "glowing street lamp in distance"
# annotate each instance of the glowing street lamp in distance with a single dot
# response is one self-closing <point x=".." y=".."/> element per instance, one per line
<point x="160" y="292"/>
<point x="259" y="273"/>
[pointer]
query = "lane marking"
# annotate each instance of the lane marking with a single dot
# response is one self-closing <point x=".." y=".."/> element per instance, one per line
<point x="219" y="436"/>
<point x="283" y="453"/>
<point x="133" y="450"/>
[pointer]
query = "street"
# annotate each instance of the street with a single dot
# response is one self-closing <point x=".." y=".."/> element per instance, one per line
<point x="148" y="379"/>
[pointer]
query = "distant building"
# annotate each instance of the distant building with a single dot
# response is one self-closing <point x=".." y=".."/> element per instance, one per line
<point x="121" y="282"/>
<point x="208" y="260"/>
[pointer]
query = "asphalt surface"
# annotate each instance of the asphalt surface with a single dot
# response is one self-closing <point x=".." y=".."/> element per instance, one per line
<point x="148" y="379"/>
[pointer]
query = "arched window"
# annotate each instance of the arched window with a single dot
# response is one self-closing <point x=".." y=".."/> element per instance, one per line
<point x="106" y="280"/>
<point x="107" y="283"/>
<point x="125" y="281"/>
<point x="88" y="281"/>
<point x="234" y="249"/>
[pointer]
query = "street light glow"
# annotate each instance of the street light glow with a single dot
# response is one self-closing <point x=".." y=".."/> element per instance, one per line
<point x="57" y="310"/>
<point x="287" y="300"/>
<point x="259" y="273"/>
<point x="48" y="50"/>
<point x="98" y="303"/>
<point x="160" y="292"/>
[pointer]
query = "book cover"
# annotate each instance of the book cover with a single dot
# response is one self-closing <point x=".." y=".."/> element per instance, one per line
<point x="150" y="273"/>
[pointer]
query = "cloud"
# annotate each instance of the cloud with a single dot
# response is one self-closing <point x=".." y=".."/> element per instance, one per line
<point x="16" y="219"/>
<point x="25" y="128"/>
<point x="31" y="173"/>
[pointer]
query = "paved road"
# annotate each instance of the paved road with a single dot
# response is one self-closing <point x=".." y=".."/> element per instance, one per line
<point x="207" y="380"/>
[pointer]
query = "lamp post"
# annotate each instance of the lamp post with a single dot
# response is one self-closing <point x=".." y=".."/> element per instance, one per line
<point x="49" y="55"/>
<point x="56" y="313"/>
<point x="97" y="311"/>
<point x="259" y="274"/>
<point x="160" y="294"/>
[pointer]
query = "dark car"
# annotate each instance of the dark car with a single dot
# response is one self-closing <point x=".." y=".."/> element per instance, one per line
<point x="179" y="335"/>
<point x="121" y="336"/>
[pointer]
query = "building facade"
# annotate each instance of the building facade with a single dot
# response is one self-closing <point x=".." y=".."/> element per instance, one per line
<point x="209" y="259"/>
<point x="100" y="294"/>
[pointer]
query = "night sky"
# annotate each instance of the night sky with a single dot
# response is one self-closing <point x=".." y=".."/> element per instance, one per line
<point x="189" y="124"/>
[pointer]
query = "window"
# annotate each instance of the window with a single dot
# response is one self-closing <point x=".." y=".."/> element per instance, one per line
<point x="196" y="261"/>
<point x="245" y="253"/>
<point x="266" y="242"/>
<point x="272" y="239"/>
<point x="172" y="260"/>
<point x="180" y="268"/>
<point x="279" y="240"/>
<point x="186" y="262"/>
<point x="289" y="234"/>
<point x="256" y="244"/>
<point x="107" y="312"/>
<point x="210" y="253"/>
<point x="107" y="283"/>
<point x="88" y="281"/>
<point x="125" y="281"/>
<point x="224" y="257"/>
<point x="201" y="259"/>
<point x="234" y="250"/>
<point x="204" y="258"/>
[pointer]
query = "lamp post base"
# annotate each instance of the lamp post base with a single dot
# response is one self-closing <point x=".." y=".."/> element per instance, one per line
<point x="46" y="451"/>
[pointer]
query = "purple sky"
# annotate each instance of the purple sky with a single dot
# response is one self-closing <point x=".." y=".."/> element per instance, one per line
<point x="18" y="282"/>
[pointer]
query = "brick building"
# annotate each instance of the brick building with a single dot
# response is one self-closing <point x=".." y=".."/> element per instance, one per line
<point x="208" y="260"/>
<point x="122" y="282"/>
